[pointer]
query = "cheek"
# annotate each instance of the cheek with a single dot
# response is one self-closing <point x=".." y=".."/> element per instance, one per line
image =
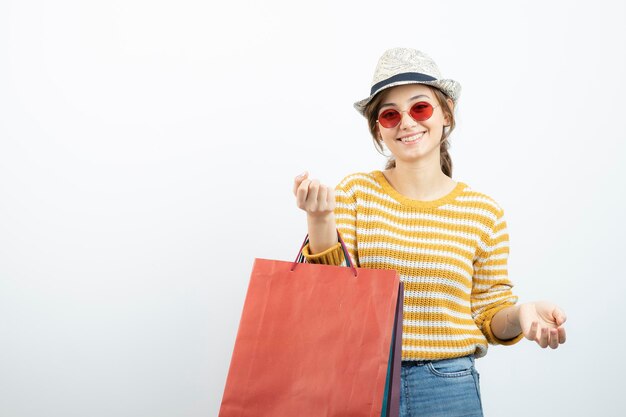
<point x="387" y="139"/>
<point x="434" y="125"/>
<point x="440" y="121"/>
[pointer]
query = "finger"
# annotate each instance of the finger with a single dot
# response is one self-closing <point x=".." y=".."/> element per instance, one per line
<point x="331" y="198"/>
<point x="311" y="200"/>
<point x="322" y="196"/>
<point x="559" y="316"/>
<point x="554" y="339"/>
<point x="302" y="193"/>
<point x="298" y="180"/>
<point x="562" y="337"/>
<point x="532" y="332"/>
<point x="543" y="338"/>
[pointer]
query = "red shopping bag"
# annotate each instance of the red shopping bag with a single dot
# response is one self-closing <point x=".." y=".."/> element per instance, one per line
<point x="316" y="340"/>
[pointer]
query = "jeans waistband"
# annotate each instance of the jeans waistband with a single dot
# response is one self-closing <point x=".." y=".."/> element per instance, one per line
<point x="424" y="362"/>
<point x="414" y="363"/>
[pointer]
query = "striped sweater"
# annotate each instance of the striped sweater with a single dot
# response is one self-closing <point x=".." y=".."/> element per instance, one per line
<point x="451" y="254"/>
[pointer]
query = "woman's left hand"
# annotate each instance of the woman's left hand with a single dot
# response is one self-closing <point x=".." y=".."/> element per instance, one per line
<point x="543" y="322"/>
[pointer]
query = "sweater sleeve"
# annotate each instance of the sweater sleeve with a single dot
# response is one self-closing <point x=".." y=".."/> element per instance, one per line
<point x="345" y="217"/>
<point x="491" y="287"/>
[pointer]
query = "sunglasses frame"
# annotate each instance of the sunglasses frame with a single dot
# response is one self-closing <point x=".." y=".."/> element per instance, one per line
<point x="408" y="112"/>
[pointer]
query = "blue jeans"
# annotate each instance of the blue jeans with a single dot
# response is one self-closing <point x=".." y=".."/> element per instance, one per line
<point x="447" y="388"/>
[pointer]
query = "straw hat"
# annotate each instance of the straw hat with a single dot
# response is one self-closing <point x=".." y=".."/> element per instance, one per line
<point x="400" y="66"/>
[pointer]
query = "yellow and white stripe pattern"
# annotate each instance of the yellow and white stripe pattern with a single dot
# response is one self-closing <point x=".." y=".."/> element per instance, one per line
<point x="451" y="254"/>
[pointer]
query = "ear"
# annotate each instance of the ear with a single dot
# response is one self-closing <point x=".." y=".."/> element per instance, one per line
<point x="446" y="118"/>
<point x="379" y="137"/>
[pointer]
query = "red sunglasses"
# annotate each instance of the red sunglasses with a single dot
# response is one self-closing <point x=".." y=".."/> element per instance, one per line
<point x="420" y="111"/>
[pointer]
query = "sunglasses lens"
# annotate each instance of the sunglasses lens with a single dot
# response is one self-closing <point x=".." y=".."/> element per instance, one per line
<point x="389" y="118"/>
<point x="421" y="111"/>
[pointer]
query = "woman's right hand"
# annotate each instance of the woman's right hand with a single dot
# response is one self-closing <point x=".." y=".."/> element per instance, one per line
<point x="318" y="200"/>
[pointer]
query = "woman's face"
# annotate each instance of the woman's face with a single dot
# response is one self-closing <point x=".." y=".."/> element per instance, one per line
<point x="412" y="140"/>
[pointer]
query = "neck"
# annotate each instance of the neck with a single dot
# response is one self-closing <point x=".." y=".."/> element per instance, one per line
<point x="420" y="182"/>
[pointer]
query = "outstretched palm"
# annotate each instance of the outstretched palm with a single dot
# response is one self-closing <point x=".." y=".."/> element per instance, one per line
<point x="543" y="322"/>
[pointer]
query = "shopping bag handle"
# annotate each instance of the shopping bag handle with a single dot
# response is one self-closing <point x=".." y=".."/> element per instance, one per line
<point x="346" y="254"/>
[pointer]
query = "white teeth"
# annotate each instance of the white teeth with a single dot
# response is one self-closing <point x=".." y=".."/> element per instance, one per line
<point x="413" y="138"/>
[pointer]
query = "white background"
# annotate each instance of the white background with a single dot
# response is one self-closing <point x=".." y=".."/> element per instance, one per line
<point x="148" y="149"/>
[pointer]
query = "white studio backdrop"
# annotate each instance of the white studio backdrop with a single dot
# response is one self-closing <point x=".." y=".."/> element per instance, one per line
<point x="148" y="149"/>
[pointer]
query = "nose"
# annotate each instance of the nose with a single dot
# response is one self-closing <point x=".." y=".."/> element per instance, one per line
<point x="406" y="120"/>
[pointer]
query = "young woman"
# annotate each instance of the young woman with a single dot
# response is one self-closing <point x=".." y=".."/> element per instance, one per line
<point x="447" y="241"/>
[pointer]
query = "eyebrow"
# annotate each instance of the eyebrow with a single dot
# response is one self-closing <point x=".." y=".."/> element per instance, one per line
<point x="411" y="99"/>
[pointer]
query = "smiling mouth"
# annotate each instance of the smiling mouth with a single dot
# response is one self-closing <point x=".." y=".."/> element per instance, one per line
<point x="414" y="138"/>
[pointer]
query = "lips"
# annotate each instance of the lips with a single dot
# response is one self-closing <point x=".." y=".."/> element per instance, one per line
<point x="412" y="137"/>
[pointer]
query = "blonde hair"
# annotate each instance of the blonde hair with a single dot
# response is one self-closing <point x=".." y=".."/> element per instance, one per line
<point x="371" y="112"/>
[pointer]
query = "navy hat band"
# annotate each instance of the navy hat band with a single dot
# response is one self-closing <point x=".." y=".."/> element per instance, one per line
<point x="406" y="76"/>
